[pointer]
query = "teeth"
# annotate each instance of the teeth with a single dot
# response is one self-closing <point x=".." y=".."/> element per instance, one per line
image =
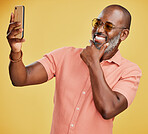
<point x="100" y="38"/>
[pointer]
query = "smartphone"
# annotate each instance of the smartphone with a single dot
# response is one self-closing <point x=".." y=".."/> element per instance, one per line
<point x="19" y="14"/>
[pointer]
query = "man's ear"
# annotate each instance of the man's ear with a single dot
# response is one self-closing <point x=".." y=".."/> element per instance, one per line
<point x="124" y="34"/>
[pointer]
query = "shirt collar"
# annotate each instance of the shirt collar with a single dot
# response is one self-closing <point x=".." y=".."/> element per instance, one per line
<point x="116" y="58"/>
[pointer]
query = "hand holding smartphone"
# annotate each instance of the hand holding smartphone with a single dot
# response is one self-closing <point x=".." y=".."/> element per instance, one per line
<point x="19" y="13"/>
<point x="15" y="32"/>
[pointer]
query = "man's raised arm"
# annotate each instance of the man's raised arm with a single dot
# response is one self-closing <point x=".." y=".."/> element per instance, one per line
<point x="19" y="74"/>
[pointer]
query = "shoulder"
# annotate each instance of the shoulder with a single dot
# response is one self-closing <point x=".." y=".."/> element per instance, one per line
<point x="130" y="68"/>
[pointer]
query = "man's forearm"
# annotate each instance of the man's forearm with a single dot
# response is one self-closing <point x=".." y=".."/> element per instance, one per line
<point x="17" y="70"/>
<point x="104" y="98"/>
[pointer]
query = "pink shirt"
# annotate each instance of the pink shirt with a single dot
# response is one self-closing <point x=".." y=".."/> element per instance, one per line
<point x="74" y="109"/>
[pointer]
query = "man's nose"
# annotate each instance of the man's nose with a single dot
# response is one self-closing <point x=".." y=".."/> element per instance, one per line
<point x="100" y="29"/>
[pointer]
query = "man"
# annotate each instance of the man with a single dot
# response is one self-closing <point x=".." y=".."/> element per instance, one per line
<point x="93" y="85"/>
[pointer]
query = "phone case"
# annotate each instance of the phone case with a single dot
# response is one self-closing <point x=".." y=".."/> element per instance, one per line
<point x="19" y="13"/>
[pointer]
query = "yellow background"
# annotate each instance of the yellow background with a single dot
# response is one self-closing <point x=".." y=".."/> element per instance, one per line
<point x="51" y="24"/>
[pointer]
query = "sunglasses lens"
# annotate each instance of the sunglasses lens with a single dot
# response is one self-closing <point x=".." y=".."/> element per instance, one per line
<point x="96" y="22"/>
<point x="108" y="26"/>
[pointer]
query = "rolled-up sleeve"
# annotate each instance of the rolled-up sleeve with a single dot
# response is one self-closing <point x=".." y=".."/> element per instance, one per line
<point x="128" y="83"/>
<point x="52" y="61"/>
<point x="49" y="64"/>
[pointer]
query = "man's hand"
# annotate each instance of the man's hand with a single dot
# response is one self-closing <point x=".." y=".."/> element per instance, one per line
<point x="91" y="54"/>
<point x="14" y="43"/>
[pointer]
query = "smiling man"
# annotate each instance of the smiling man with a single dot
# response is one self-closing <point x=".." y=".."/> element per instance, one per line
<point x="93" y="84"/>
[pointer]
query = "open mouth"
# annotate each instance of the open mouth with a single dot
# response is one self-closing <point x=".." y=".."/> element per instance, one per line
<point x="99" y="39"/>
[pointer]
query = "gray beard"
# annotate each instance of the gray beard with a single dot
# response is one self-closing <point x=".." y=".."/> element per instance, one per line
<point x="113" y="43"/>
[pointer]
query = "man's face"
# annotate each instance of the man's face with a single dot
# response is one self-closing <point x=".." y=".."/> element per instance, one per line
<point x="100" y="35"/>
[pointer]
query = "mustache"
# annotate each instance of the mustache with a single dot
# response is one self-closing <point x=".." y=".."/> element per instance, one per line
<point x="100" y="34"/>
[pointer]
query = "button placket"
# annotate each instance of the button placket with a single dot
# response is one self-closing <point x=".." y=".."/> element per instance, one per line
<point x="77" y="109"/>
<point x="78" y="106"/>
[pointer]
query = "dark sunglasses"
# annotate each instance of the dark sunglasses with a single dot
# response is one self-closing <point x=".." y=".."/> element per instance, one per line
<point x="108" y="26"/>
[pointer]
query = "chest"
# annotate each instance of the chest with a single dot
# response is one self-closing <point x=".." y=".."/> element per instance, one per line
<point x="73" y="78"/>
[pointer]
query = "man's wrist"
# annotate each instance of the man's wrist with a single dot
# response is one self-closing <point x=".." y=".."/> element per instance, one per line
<point x="15" y="56"/>
<point x="94" y="64"/>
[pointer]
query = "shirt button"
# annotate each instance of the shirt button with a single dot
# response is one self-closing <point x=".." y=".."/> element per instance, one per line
<point x="83" y="92"/>
<point x="72" y="125"/>
<point x="78" y="108"/>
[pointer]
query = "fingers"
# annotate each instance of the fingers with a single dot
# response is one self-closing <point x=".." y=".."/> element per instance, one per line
<point x="102" y="49"/>
<point x="104" y="46"/>
<point x="13" y="25"/>
<point x="14" y="32"/>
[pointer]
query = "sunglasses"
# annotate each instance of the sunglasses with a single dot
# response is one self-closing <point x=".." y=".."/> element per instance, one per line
<point x="108" y="26"/>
